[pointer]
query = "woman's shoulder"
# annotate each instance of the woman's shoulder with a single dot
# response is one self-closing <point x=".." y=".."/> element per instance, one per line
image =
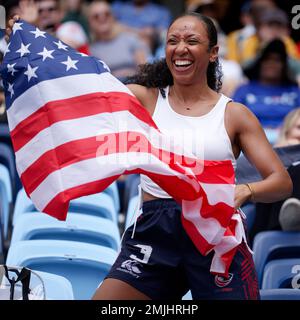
<point x="240" y="115"/>
<point x="146" y="96"/>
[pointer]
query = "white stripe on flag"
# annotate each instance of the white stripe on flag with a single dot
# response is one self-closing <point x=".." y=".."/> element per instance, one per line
<point x="217" y="193"/>
<point x="91" y="126"/>
<point x="227" y="244"/>
<point x="71" y="176"/>
<point x="50" y="90"/>
<point x="207" y="227"/>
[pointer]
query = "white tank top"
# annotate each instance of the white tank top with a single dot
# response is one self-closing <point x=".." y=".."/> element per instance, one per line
<point x="205" y="136"/>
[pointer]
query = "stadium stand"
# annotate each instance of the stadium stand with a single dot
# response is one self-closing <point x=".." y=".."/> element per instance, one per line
<point x="85" y="265"/>
<point x="272" y="245"/>
<point x="77" y="227"/>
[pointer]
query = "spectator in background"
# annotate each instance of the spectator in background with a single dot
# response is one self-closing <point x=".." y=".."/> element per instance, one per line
<point x="72" y="33"/>
<point x="148" y="20"/>
<point x="271" y="92"/>
<point x="73" y="12"/>
<point x="49" y="15"/>
<point x="45" y="14"/>
<point x="237" y="38"/>
<point x="232" y="71"/>
<point x="285" y="214"/>
<point x="290" y="130"/>
<point x="122" y="51"/>
<point x="270" y="24"/>
<point x="289" y="215"/>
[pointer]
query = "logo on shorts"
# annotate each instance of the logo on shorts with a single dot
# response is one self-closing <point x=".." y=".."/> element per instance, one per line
<point x="222" y="281"/>
<point x="131" y="267"/>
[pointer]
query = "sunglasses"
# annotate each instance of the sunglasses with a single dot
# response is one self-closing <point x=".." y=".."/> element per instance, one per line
<point x="49" y="9"/>
<point x="105" y="14"/>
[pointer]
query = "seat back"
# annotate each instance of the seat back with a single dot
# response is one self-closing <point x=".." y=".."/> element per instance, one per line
<point x="271" y="245"/>
<point x="6" y="197"/>
<point x="282" y="273"/>
<point x="77" y="227"/>
<point x="99" y="204"/>
<point x="7" y="158"/>
<point x="280" y="294"/>
<point x="84" y="265"/>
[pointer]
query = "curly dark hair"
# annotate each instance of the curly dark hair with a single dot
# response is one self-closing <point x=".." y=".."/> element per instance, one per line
<point x="158" y="75"/>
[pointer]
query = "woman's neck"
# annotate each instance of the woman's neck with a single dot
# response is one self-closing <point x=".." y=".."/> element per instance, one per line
<point x="192" y="93"/>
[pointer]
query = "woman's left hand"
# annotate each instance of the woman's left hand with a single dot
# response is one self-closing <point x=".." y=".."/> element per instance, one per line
<point x="242" y="193"/>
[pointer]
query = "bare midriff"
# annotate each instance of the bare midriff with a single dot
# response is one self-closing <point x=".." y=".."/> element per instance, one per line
<point x="148" y="196"/>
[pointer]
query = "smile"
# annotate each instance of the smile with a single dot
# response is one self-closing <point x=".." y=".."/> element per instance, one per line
<point x="182" y="65"/>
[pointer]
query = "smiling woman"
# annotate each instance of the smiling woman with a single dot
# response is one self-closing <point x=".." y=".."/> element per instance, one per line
<point x="181" y="93"/>
<point x="158" y="259"/>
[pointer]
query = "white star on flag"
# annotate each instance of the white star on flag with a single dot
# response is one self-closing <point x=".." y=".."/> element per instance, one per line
<point x="46" y="54"/>
<point x="38" y="33"/>
<point x="71" y="64"/>
<point x="10" y="68"/>
<point x="60" y="45"/>
<point x="10" y="89"/>
<point x="6" y="50"/>
<point x="30" y="73"/>
<point x="16" y="27"/>
<point x="24" y="49"/>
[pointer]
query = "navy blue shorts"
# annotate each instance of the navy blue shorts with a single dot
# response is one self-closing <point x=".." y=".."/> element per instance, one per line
<point x="162" y="262"/>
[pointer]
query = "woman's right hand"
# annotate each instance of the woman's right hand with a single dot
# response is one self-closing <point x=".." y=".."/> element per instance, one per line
<point x="10" y="25"/>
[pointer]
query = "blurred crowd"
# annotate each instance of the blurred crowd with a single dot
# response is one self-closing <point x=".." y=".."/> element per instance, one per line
<point x="259" y="53"/>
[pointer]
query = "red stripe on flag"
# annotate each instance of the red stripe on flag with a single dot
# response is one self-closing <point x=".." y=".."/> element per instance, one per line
<point x="79" y="150"/>
<point x="58" y="206"/>
<point x="73" y="108"/>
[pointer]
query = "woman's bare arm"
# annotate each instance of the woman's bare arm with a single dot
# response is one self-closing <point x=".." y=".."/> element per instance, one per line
<point x="276" y="184"/>
<point x="146" y="96"/>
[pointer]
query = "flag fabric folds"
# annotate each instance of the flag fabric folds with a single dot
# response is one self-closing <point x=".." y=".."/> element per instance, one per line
<point x="75" y="129"/>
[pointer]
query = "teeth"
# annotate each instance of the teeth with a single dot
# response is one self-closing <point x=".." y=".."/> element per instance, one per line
<point x="183" y="63"/>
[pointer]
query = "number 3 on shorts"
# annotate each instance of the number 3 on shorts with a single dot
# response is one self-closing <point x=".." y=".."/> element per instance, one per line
<point x="145" y="250"/>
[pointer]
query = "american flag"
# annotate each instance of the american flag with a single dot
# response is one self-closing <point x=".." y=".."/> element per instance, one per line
<point x="75" y="129"/>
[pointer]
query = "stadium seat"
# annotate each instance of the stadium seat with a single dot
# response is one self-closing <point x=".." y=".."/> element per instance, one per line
<point x="56" y="287"/>
<point x="1" y="237"/>
<point x="85" y="265"/>
<point x="271" y="245"/>
<point x="4" y="134"/>
<point x="129" y="220"/>
<point x="99" y="204"/>
<point x="8" y="159"/>
<point x="283" y="273"/>
<point x="112" y="190"/>
<point x="249" y="211"/>
<point x="188" y="296"/>
<point x="280" y="294"/>
<point x="6" y="198"/>
<point x="77" y="227"/>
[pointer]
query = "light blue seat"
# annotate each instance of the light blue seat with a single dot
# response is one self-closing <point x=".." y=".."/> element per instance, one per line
<point x="77" y="227"/>
<point x="56" y="287"/>
<point x="271" y="245"/>
<point x="132" y="206"/>
<point x="188" y="296"/>
<point x="5" y="196"/>
<point x="1" y="238"/>
<point x="100" y="204"/>
<point x="85" y="265"/>
<point x="283" y="273"/>
<point x="112" y="190"/>
<point x="280" y="294"/>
